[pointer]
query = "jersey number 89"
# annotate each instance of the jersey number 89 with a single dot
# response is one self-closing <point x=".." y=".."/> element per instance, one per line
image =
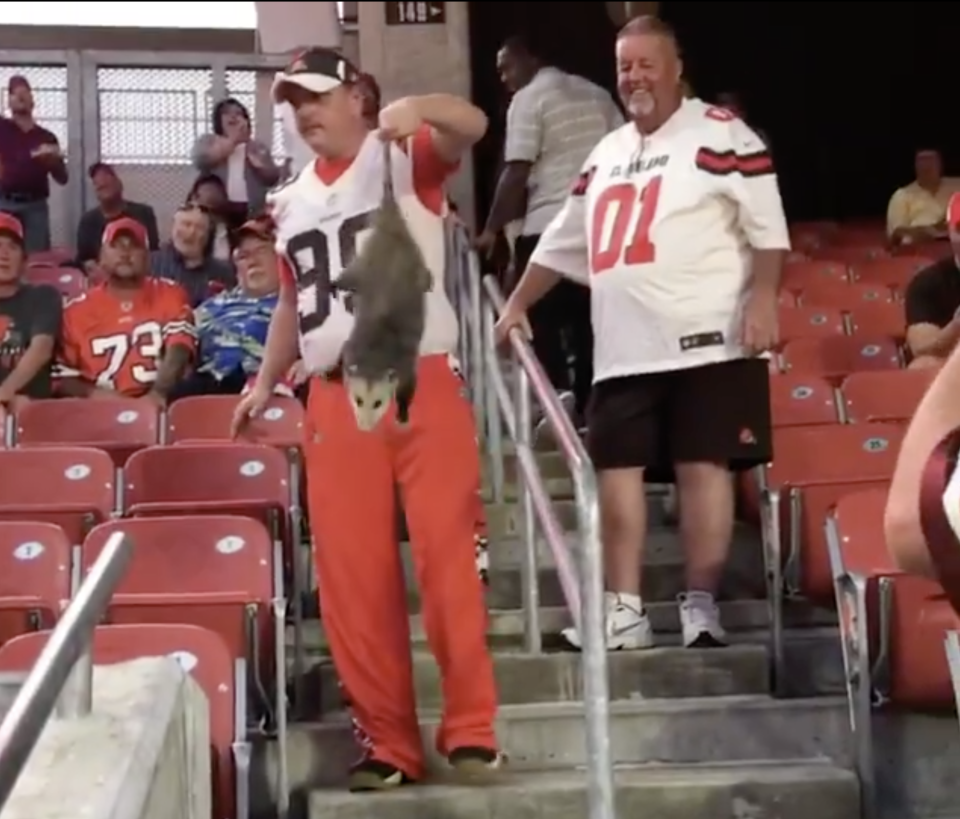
<point x="618" y="205"/>
<point x="309" y="254"/>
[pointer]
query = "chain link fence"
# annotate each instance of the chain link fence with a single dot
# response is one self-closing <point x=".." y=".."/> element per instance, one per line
<point x="142" y="119"/>
<point x="149" y="120"/>
<point x="49" y="83"/>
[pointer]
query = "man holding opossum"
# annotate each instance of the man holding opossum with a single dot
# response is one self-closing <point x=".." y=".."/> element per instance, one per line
<point x="320" y="215"/>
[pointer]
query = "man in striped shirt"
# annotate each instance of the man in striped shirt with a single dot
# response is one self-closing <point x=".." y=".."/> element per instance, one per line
<point x="555" y="119"/>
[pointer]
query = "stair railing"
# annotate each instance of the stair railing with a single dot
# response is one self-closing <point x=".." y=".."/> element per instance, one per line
<point x="478" y="302"/>
<point x="584" y="598"/>
<point x="62" y="676"/>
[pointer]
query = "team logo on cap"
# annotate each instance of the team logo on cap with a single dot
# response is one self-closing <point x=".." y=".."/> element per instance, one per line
<point x="297" y="63"/>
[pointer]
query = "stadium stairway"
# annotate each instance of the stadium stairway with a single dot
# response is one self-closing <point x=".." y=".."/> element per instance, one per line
<point x="695" y="734"/>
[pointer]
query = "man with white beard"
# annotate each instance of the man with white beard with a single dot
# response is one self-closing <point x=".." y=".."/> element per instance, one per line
<point x="677" y="227"/>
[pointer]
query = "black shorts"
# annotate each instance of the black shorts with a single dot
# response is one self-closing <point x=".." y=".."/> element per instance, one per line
<point x="717" y="413"/>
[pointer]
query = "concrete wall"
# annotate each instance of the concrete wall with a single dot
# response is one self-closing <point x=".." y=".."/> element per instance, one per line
<point x="143" y="754"/>
<point x="420" y="60"/>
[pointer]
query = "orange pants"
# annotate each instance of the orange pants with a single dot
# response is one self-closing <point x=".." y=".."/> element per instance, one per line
<point x="351" y="477"/>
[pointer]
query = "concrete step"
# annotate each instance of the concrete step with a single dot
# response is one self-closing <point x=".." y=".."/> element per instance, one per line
<point x="506" y="519"/>
<point x="813" y="661"/>
<point x="662" y="545"/>
<point x="546" y="736"/>
<point x="787" y="791"/>
<point x="553" y="469"/>
<point x="506" y="627"/>
<point x="663" y="577"/>
<point x="557" y="677"/>
<point x="663" y="582"/>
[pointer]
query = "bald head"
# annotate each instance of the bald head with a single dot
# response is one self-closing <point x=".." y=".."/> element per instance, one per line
<point x="649" y="71"/>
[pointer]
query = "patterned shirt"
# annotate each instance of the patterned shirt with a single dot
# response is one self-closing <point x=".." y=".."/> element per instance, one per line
<point x="232" y="331"/>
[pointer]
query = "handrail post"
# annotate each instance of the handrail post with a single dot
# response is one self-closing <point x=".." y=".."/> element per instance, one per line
<point x="588" y="610"/>
<point x="596" y="688"/>
<point x="532" y="636"/>
<point x="479" y="375"/>
<point x="494" y="421"/>
<point x="76" y="698"/>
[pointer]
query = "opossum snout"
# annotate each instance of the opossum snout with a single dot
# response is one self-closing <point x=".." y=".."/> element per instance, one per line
<point x="370" y="399"/>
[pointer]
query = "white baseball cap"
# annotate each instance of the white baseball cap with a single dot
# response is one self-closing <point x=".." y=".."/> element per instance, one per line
<point x="318" y="70"/>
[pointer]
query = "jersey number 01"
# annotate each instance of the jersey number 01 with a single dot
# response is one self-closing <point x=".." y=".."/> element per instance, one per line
<point x="309" y="254"/>
<point x="608" y="251"/>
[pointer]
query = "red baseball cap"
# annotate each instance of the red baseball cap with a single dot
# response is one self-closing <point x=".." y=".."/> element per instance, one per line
<point x="260" y="227"/>
<point x="953" y="212"/>
<point x="12" y="226"/>
<point x="125" y="225"/>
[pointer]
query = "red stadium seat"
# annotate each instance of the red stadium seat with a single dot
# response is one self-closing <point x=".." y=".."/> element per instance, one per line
<point x="281" y="425"/>
<point x="208" y="418"/>
<point x="231" y="588"/>
<point x="797" y="275"/>
<point x="54" y="256"/>
<point x="809" y="322"/>
<point x="800" y="399"/>
<point x="879" y="318"/>
<point x="892" y="625"/>
<point x="221" y="478"/>
<point x="819" y="465"/>
<point x="860" y="235"/>
<point x="805" y="236"/>
<point x="838" y="356"/>
<point x="200" y="653"/>
<point x="69" y="281"/>
<point x="119" y="426"/>
<point x="843" y="296"/>
<point x="34" y="576"/>
<point x="850" y="253"/>
<point x="894" y="273"/>
<point x="72" y="487"/>
<point x="884" y="395"/>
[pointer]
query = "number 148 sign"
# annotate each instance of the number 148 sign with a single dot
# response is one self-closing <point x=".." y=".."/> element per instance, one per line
<point x="416" y="13"/>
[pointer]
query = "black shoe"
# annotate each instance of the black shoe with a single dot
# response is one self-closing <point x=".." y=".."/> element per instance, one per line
<point x="476" y="762"/>
<point x="374" y="775"/>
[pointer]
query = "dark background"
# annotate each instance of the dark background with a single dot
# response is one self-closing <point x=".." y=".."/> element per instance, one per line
<point x="846" y="91"/>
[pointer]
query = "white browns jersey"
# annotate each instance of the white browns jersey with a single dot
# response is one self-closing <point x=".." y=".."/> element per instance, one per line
<point x="323" y="216"/>
<point x="660" y="227"/>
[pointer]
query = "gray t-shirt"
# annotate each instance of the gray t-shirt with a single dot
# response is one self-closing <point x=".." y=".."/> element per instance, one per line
<point x="34" y="310"/>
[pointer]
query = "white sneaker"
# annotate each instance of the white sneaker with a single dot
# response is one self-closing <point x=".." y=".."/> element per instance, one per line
<point x="700" y="619"/>
<point x="627" y="625"/>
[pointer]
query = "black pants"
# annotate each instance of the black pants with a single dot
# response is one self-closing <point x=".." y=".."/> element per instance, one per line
<point x="562" y="331"/>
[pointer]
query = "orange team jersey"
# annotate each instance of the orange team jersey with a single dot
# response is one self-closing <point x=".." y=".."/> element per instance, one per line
<point x="116" y="342"/>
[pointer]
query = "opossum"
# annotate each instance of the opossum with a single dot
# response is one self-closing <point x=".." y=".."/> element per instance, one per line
<point x="388" y="282"/>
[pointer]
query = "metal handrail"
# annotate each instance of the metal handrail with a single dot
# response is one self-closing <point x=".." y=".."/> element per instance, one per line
<point x="584" y="599"/>
<point x="67" y="656"/>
